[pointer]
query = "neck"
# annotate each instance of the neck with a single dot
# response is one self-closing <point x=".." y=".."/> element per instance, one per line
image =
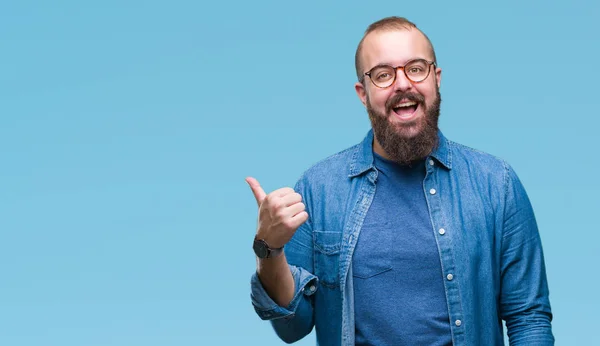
<point x="379" y="149"/>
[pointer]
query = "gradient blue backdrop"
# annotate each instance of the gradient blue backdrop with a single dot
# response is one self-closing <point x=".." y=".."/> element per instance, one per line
<point x="127" y="129"/>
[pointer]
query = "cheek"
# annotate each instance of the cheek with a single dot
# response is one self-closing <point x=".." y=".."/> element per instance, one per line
<point x="378" y="99"/>
<point x="428" y="93"/>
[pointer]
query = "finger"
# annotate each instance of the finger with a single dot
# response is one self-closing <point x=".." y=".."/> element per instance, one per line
<point x="291" y="199"/>
<point x="284" y="191"/>
<point x="257" y="190"/>
<point x="295" y="209"/>
<point x="299" y="219"/>
<point x="288" y="212"/>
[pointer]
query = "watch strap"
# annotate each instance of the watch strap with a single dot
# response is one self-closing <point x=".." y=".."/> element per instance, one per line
<point x="262" y="249"/>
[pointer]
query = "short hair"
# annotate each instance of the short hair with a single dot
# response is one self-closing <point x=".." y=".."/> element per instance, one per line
<point x="386" y="24"/>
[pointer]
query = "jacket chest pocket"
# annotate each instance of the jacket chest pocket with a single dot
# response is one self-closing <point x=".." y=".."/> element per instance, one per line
<point x="327" y="257"/>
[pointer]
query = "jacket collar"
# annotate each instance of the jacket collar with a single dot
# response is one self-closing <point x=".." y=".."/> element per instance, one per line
<point x="362" y="157"/>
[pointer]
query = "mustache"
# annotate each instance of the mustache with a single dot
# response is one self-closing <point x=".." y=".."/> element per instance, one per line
<point x="418" y="98"/>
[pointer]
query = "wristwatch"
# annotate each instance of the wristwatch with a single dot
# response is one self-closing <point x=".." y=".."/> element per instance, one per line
<point x="263" y="250"/>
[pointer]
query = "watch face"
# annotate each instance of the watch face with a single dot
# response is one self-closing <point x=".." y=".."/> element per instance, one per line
<point x="260" y="249"/>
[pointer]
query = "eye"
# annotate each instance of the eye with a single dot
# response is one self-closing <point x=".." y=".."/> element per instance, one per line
<point x="383" y="76"/>
<point x="415" y="69"/>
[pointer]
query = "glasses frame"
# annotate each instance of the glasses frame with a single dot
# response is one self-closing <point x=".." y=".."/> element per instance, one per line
<point x="402" y="67"/>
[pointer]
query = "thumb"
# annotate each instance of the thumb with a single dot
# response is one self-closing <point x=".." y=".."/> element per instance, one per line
<point x="258" y="192"/>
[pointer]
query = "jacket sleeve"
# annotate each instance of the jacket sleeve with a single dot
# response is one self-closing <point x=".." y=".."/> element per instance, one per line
<point x="524" y="295"/>
<point x="295" y="321"/>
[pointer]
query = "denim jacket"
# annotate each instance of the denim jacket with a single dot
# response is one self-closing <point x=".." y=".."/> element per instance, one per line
<point x="486" y="233"/>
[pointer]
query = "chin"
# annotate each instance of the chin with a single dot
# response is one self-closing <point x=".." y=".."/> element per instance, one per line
<point x="407" y="129"/>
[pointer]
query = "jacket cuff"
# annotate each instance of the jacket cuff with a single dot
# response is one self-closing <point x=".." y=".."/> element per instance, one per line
<point x="267" y="309"/>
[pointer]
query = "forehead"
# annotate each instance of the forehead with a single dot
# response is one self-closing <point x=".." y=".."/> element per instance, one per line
<point x="394" y="47"/>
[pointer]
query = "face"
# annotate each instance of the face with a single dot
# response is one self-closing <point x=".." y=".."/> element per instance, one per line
<point x="404" y="116"/>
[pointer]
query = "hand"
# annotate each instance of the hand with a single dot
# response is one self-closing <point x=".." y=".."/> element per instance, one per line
<point x="280" y="213"/>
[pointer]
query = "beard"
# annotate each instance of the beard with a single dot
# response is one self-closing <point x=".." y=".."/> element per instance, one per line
<point x="398" y="140"/>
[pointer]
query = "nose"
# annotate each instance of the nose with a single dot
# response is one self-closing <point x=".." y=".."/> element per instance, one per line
<point x="401" y="83"/>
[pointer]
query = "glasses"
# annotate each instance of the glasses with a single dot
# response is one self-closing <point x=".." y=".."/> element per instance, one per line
<point x="416" y="71"/>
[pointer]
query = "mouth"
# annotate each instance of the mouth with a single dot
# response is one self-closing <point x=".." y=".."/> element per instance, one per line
<point x="405" y="110"/>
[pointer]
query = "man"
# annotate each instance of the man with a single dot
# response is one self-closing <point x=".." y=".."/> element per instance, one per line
<point x="406" y="238"/>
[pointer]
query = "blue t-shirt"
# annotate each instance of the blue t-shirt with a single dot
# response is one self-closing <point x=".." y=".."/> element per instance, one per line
<point x="399" y="293"/>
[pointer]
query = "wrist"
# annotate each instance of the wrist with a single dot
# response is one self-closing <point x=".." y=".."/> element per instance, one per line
<point x="263" y="250"/>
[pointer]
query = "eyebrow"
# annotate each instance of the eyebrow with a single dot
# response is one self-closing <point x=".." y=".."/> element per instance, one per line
<point x="382" y="65"/>
<point x="392" y="65"/>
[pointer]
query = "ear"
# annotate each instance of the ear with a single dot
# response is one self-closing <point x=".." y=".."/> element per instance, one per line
<point x="361" y="92"/>
<point x="438" y="76"/>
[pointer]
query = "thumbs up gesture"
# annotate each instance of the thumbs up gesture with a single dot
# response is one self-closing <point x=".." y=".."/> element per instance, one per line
<point x="280" y="213"/>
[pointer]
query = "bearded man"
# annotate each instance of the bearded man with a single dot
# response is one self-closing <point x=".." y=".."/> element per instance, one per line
<point x="406" y="238"/>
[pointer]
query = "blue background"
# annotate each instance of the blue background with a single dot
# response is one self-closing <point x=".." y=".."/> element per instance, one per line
<point x="127" y="129"/>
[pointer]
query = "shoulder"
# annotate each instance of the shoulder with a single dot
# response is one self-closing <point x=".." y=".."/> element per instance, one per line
<point x="329" y="176"/>
<point x="474" y="161"/>
<point x="334" y="166"/>
<point x="492" y="177"/>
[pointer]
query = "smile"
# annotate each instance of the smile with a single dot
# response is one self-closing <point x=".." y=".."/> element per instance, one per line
<point x="406" y="110"/>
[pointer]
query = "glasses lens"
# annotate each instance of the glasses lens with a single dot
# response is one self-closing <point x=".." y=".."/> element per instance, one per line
<point x="417" y="70"/>
<point x="383" y="76"/>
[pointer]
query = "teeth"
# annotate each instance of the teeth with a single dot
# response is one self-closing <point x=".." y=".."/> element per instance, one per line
<point x="406" y="104"/>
